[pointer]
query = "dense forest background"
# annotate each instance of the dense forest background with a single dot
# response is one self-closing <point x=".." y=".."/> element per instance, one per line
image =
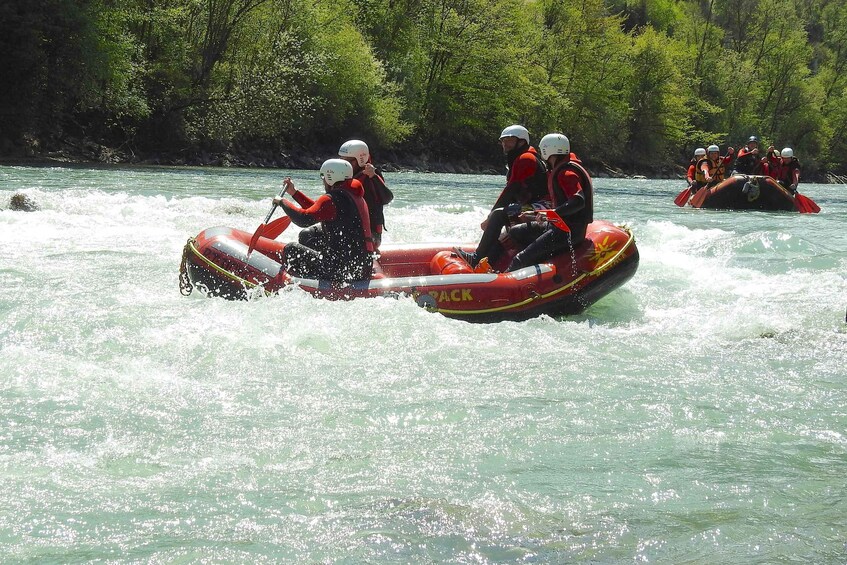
<point x="635" y="84"/>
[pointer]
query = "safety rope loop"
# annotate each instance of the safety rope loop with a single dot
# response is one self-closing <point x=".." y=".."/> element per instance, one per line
<point x="185" y="286"/>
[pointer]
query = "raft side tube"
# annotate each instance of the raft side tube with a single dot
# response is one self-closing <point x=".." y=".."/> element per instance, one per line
<point x="217" y="261"/>
<point x="747" y="192"/>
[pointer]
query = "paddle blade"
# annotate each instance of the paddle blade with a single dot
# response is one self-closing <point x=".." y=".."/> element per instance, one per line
<point x="805" y="204"/>
<point x="255" y="238"/>
<point x="556" y="220"/>
<point x="698" y="199"/>
<point x="261" y="229"/>
<point x="275" y="228"/>
<point x="682" y="198"/>
<point x="269" y="231"/>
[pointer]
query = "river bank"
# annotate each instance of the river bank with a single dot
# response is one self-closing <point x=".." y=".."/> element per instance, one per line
<point x="89" y="153"/>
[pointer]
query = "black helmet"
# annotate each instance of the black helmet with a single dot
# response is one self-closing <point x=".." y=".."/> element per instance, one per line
<point x="753" y="138"/>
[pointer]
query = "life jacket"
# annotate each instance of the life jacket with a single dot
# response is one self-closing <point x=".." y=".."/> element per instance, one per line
<point x="773" y="166"/>
<point x="785" y="173"/>
<point x="374" y="200"/>
<point x="747" y="163"/>
<point x="538" y="182"/>
<point x="349" y="233"/>
<point x="346" y="243"/>
<point x="716" y="170"/>
<point x="557" y="194"/>
<point x="529" y="190"/>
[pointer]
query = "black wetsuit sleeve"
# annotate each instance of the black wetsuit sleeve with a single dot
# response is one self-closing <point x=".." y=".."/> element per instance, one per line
<point x="384" y="193"/>
<point x="508" y="196"/>
<point x="297" y="216"/>
<point x="572" y="206"/>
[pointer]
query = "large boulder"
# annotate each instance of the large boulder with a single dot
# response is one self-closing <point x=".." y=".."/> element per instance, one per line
<point x="23" y="203"/>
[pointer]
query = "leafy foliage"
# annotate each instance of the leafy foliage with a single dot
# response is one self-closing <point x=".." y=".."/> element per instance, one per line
<point x="630" y="81"/>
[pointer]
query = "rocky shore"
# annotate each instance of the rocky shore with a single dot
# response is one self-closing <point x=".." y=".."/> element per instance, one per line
<point x="83" y="152"/>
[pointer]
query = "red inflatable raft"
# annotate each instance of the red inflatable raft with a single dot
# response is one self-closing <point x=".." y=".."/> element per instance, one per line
<point x="751" y="192"/>
<point x="216" y="262"/>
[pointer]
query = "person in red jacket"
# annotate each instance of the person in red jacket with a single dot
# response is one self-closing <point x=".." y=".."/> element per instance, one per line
<point x="526" y="188"/>
<point x="712" y="169"/>
<point x="377" y="194"/>
<point x="344" y="250"/>
<point x="772" y="163"/>
<point x="570" y="191"/>
<point x="789" y="170"/>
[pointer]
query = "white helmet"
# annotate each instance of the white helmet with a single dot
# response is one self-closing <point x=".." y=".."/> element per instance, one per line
<point x="700" y="152"/>
<point x="713" y="148"/>
<point x="516" y="131"/>
<point x="335" y="170"/>
<point x="787" y="153"/>
<point x="554" y="144"/>
<point x="355" y="148"/>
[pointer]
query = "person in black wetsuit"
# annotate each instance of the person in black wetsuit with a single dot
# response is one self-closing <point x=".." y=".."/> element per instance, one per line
<point x="377" y="194"/>
<point x="570" y="190"/>
<point x="747" y="161"/>
<point x="342" y="249"/>
<point x="526" y="188"/>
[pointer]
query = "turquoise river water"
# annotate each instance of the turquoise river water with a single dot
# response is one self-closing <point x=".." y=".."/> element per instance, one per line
<point x="695" y="415"/>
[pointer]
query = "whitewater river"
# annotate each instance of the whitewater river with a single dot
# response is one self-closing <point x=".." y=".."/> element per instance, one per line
<point x="698" y="414"/>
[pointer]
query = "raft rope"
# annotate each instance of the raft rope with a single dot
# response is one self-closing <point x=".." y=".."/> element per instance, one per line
<point x="191" y="248"/>
<point x="185" y="286"/>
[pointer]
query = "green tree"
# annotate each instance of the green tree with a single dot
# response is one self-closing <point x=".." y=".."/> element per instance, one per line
<point x="56" y="63"/>
<point x="627" y="80"/>
<point x="830" y="28"/>
<point x="657" y="98"/>
<point x="354" y="97"/>
<point x="285" y="78"/>
<point x="583" y="53"/>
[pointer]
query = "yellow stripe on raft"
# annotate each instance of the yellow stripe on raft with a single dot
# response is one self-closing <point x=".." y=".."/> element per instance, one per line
<point x="224" y="272"/>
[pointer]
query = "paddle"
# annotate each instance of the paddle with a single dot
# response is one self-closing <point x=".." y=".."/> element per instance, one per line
<point x="698" y="199"/>
<point x="682" y="198"/>
<point x="276" y="227"/>
<point x="805" y="204"/>
<point x="555" y="219"/>
<point x="261" y="229"/>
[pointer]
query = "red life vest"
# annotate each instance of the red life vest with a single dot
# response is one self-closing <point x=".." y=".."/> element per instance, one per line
<point x="785" y="173"/>
<point x="351" y="218"/>
<point x="557" y="194"/>
<point x="375" y="196"/>
<point x="773" y="166"/>
<point x="528" y="189"/>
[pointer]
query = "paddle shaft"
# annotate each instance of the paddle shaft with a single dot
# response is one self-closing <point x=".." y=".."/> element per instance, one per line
<point x="260" y="230"/>
<point x="273" y="207"/>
